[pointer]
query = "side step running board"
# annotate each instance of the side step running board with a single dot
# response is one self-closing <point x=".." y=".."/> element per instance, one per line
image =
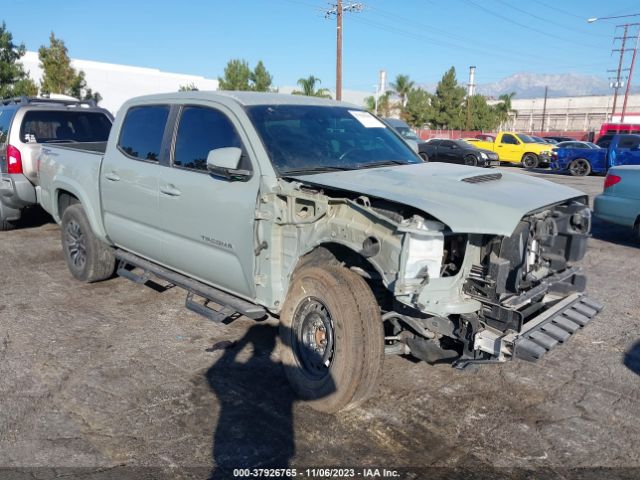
<point x="230" y="304"/>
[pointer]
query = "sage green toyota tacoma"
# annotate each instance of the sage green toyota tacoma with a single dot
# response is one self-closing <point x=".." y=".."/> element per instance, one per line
<point x="315" y="212"/>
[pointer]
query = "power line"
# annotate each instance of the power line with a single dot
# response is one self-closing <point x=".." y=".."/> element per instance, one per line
<point x="551" y="7"/>
<point x="546" y="20"/>
<point x="528" y="27"/>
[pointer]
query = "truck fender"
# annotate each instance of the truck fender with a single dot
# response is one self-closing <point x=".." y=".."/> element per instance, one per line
<point x="74" y="188"/>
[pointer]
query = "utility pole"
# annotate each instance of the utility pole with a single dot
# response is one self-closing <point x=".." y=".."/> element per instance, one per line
<point x="338" y="10"/>
<point x="617" y="84"/>
<point x="633" y="62"/>
<point x="544" y="109"/>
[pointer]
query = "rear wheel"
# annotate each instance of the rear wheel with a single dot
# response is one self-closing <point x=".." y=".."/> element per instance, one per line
<point x="579" y="167"/>
<point x="4" y="223"/>
<point x="424" y="156"/>
<point x="530" y="160"/>
<point x="332" y="338"/>
<point x="89" y="260"/>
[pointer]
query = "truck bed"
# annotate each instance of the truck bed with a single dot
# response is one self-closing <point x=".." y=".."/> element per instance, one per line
<point x="70" y="167"/>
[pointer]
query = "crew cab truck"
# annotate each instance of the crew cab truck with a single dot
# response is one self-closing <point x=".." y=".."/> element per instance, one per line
<point x="25" y="125"/>
<point x="316" y="212"/>
<point x="579" y="162"/>
<point x="519" y="148"/>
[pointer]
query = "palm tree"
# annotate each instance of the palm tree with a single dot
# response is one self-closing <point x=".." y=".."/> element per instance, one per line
<point x="402" y="87"/>
<point x="503" y="109"/>
<point x="308" y="88"/>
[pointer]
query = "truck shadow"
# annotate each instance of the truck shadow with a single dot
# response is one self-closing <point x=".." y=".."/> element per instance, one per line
<point x="632" y="358"/>
<point x="255" y="423"/>
<point x="33" y="218"/>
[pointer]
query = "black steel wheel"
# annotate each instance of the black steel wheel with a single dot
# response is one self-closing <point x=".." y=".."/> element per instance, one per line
<point x="579" y="167"/>
<point x="313" y="327"/>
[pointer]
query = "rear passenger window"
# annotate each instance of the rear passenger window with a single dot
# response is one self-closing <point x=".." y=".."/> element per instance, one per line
<point x="200" y="131"/>
<point x="142" y="131"/>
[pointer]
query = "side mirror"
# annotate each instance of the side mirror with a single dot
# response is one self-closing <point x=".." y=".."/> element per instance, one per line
<point x="224" y="162"/>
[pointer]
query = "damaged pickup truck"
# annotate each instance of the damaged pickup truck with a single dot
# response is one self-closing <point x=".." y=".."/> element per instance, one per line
<point x="317" y="213"/>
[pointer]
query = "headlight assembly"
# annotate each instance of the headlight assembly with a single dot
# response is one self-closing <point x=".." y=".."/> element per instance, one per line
<point x="483" y="155"/>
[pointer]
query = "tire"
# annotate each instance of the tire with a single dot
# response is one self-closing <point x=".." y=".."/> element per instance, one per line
<point x="336" y="305"/>
<point x="89" y="260"/>
<point x="5" y="224"/>
<point x="636" y="230"/>
<point x="424" y="156"/>
<point x="471" y="161"/>
<point x="579" y="167"/>
<point x="530" y="160"/>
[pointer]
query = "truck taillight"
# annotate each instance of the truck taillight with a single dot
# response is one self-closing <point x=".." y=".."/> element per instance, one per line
<point x="14" y="160"/>
<point x="610" y="180"/>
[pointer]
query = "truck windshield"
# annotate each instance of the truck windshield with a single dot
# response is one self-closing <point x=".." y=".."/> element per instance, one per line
<point x="311" y="139"/>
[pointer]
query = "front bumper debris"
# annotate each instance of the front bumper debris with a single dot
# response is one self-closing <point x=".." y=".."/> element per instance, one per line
<point x="554" y="327"/>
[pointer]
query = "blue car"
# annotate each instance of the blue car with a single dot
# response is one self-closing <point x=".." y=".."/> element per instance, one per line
<point x="620" y="201"/>
<point x="579" y="162"/>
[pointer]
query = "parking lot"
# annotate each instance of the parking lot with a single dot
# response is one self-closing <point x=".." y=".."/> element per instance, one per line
<point x="114" y="375"/>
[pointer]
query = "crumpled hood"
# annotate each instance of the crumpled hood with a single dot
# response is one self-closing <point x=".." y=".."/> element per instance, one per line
<point x="489" y="207"/>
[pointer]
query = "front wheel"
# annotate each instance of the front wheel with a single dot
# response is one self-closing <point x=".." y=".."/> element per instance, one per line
<point x="332" y="338"/>
<point x="471" y="161"/>
<point x="89" y="260"/>
<point x="530" y="160"/>
<point x="579" y="167"/>
<point x="424" y="156"/>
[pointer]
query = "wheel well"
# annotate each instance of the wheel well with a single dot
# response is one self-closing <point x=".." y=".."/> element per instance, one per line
<point x="65" y="200"/>
<point x="529" y="153"/>
<point x="328" y="253"/>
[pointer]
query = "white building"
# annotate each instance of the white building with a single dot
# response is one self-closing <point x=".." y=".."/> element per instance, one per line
<point x="571" y="113"/>
<point x="118" y="83"/>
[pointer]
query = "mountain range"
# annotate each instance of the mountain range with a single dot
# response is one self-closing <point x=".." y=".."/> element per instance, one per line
<point x="531" y="85"/>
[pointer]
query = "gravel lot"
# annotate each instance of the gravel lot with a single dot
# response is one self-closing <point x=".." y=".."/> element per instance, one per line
<point x="111" y="376"/>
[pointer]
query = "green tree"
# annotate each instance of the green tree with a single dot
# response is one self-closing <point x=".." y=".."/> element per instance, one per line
<point x="308" y="88"/>
<point x="384" y="104"/>
<point x="14" y="81"/>
<point x="402" y="86"/>
<point x="236" y="76"/>
<point x="482" y="116"/>
<point x="261" y="79"/>
<point x="503" y="109"/>
<point x="417" y="109"/>
<point x="58" y="76"/>
<point x="189" y="87"/>
<point x="447" y="104"/>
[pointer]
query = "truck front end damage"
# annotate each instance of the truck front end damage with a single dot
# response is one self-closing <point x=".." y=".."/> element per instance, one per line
<point x="444" y="295"/>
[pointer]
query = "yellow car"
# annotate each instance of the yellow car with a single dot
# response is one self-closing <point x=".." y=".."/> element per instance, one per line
<point x="518" y="148"/>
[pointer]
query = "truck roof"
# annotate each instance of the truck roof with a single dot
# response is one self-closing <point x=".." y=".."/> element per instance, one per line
<point x="243" y="98"/>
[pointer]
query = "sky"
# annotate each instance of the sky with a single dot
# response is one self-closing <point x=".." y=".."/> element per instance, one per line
<point x="419" y="38"/>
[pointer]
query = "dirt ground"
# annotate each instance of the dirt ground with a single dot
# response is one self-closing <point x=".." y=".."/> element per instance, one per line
<point x="113" y="376"/>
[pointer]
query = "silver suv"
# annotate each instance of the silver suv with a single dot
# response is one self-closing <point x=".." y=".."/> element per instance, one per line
<point x="26" y="124"/>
